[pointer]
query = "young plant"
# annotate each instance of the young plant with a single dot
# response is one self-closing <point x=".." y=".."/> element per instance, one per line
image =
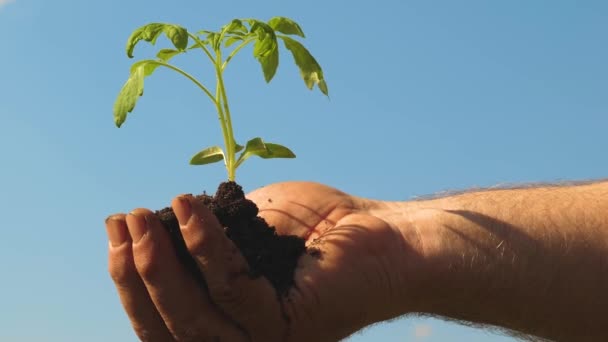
<point x="235" y="36"/>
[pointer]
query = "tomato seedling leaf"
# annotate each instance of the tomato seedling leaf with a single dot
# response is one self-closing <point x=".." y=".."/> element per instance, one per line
<point x="310" y="70"/>
<point x="265" y="49"/>
<point x="209" y="155"/>
<point x="166" y="54"/>
<point x="262" y="149"/>
<point x="128" y="95"/>
<point x="150" y="32"/>
<point x="286" y="26"/>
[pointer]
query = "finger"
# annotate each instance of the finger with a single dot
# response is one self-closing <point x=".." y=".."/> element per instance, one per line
<point x="144" y="317"/>
<point x="185" y="308"/>
<point x="250" y="302"/>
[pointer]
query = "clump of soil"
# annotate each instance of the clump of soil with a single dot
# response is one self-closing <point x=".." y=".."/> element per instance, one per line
<point x="269" y="255"/>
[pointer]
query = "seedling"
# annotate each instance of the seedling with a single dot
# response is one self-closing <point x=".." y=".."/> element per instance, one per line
<point x="214" y="45"/>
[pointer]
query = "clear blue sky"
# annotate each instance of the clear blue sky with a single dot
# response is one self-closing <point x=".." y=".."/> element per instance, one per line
<point x="425" y="96"/>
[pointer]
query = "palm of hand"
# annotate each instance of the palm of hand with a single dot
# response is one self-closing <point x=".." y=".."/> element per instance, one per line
<point x="336" y="290"/>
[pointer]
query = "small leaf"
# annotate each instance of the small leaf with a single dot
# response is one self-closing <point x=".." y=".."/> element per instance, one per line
<point x="257" y="147"/>
<point x="132" y="89"/>
<point x="277" y="151"/>
<point x="231" y="40"/>
<point x="286" y="26"/>
<point x="194" y="46"/>
<point x="212" y="39"/>
<point x="209" y="155"/>
<point x="238" y="148"/>
<point x="254" y="146"/>
<point x="235" y="26"/>
<point x="270" y="63"/>
<point x="203" y="32"/>
<point x="150" y="32"/>
<point x="128" y="96"/>
<point x="310" y="70"/>
<point x="148" y="66"/>
<point x="266" y="49"/>
<point x="166" y="54"/>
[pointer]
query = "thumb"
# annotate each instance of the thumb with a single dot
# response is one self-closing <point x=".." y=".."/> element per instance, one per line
<point x="250" y="302"/>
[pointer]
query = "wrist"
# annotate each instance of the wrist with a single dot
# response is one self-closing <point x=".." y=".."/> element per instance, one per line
<point x="418" y="224"/>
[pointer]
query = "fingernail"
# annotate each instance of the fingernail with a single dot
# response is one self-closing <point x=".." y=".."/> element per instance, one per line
<point x="116" y="229"/>
<point x="138" y="226"/>
<point x="184" y="211"/>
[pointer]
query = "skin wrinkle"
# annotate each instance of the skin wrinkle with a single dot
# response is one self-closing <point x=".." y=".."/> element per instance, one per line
<point x="309" y="228"/>
<point x="301" y="313"/>
<point x="322" y="218"/>
<point x="322" y="224"/>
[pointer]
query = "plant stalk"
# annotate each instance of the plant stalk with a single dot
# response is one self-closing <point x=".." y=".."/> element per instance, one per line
<point x="203" y="47"/>
<point x="234" y="52"/>
<point x="226" y="121"/>
<point x="190" y="77"/>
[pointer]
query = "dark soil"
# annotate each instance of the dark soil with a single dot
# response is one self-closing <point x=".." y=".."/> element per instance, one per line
<point x="268" y="254"/>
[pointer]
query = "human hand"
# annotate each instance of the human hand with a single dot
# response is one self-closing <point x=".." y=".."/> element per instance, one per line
<point x="358" y="275"/>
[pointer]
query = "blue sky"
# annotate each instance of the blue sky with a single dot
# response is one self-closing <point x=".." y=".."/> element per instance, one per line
<point x="425" y="97"/>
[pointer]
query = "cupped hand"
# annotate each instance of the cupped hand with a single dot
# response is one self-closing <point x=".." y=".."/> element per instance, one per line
<point x="354" y="274"/>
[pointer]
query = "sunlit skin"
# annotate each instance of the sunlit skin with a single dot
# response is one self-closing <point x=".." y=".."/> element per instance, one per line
<point x="530" y="260"/>
<point x="351" y="277"/>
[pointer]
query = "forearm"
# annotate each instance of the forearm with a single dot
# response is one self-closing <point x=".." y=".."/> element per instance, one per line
<point x="531" y="260"/>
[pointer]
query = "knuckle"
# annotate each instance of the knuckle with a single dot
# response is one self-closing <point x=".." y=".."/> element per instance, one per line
<point x="200" y="242"/>
<point x="147" y="261"/>
<point x="122" y="271"/>
<point x="192" y="330"/>
<point x="120" y="275"/>
<point x="225" y="293"/>
<point x="148" y="268"/>
<point x="231" y="295"/>
<point x="145" y="335"/>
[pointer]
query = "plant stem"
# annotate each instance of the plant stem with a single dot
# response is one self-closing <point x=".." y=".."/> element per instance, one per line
<point x="203" y="47"/>
<point x="190" y="77"/>
<point x="224" y="116"/>
<point x="234" y="52"/>
<point x="220" y="115"/>
<point x="223" y="113"/>
<point x="230" y="149"/>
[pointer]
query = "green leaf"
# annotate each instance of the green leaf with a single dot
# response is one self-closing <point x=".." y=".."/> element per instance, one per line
<point x="150" y="32"/>
<point x="257" y="147"/>
<point x="266" y="49"/>
<point x="276" y="151"/>
<point x="310" y="70"/>
<point x="166" y="54"/>
<point x="236" y="26"/>
<point x="128" y="96"/>
<point x="209" y="155"/>
<point x="194" y="46"/>
<point x="238" y="148"/>
<point x="132" y="89"/>
<point x="148" y="66"/>
<point x="212" y="39"/>
<point x="231" y="40"/>
<point x="286" y="26"/>
<point x="203" y="32"/>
